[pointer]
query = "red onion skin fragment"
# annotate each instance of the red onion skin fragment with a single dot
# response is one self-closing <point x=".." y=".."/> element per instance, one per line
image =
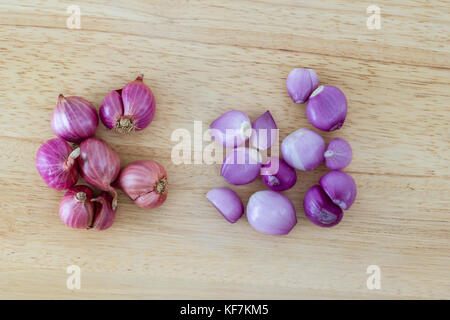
<point x="265" y="132"/>
<point x="303" y="149"/>
<point x="57" y="165"/>
<point x="130" y="108"/>
<point x="76" y="209"/>
<point x="340" y="188"/>
<point x="74" y="119"/>
<point x="278" y="175"/>
<point x="232" y="129"/>
<point x="327" y="108"/>
<point x="104" y="213"/>
<point x="338" y="154"/>
<point x="241" y="166"/>
<point x="145" y="182"/>
<point x="227" y="202"/>
<point x="300" y="83"/>
<point x="99" y="165"/>
<point x="270" y="212"/>
<point x="319" y="209"/>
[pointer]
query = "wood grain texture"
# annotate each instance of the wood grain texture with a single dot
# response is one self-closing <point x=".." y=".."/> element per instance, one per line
<point x="202" y="58"/>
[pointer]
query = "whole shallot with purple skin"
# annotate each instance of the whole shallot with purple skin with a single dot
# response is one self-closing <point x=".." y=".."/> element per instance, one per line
<point x="327" y="108"/>
<point x="303" y="149"/>
<point x="241" y="166"/>
<point x="227" y="202"/>
<point x="57" y="165"/>
<point x="145" y="182"/>
<point x="300" y="83"/>
<point x="278" y="175"/>
<point x="130" y="108"/>
<point x="265" y="132"/>
<point x="74" y="119"/>
<point x="271" y="213"/>
<point x="232" y="129"/>
<point x="76" y="209"/>
<point x="99" y="165"/>
<point x="340" y="188"/>
<point x="338" y="155"/>
<point x="104" y="213"/>
<point x="319" y="209"/>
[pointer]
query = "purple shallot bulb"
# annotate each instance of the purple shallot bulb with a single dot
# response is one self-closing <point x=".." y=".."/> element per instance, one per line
<point x="241" y="166"/>
<point x="303" y="149"/>
<point x="265" y="132"/>
<point x="278" y="175"/>
<point x="131" y="108"/>
<point x="340" y="187"/>
<point x="338" y="155"/>
<point x="74" y="119"/>
<point x="327" y="108"/>
<point x="319" y="208"/>
<point x="270" y="212"/>
<point x="232" y="129"/>
<point x="56" y="162"/>
<point x="227" y="202"/>
<point x="300" y="83"/>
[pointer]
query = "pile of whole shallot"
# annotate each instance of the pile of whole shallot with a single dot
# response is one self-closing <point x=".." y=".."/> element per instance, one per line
<point x="269" y="211"/>
<point x="76" y="151"/>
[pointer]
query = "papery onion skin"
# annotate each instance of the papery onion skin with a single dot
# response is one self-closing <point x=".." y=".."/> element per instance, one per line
<point x="57" y="165"/>
<point x="227" y="202"/>
<point x="130" y="108"/>
<point x="340" y="187"/>
<point x="300" y="83"/>
<point x="232" y="129"/>
<point x="99" y="165"/>
<point x="338" y="154"/>
<point x="76" y="209"/>
<point x="278" y="175"/>
<point x="265" y="132"/>
<point x="145" y="182"/>
<point x="303" y="149"/>
<point x="319" y="209"/>
<point x="270" y="212"/>
<point x="111" y="110"/>
<point x="327" y="108"/>
<point x="74" y="119"/>
<point x="104" y="213"/>
<point x="241" y="166"/>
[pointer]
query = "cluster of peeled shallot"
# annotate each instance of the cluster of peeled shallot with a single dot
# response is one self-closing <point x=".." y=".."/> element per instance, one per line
<point x="76" y="152"/>
<point x="269" y="211"/>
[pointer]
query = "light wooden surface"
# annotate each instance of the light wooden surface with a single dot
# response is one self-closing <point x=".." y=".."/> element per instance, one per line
<point x="202" y="58"/>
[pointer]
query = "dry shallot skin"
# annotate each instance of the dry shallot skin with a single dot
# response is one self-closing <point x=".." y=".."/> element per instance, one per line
<point x="111" y="110"/>
<point x="74" y="119"/>
<point x="76" y="209"/>
<point x="104" y="213"/>
<point x="99" y="165"/>
<point x="130" y="108"/>
<point x="145" y="182"/>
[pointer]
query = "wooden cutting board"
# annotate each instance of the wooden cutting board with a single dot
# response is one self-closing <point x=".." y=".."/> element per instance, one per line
<point x="202" y="58"/>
